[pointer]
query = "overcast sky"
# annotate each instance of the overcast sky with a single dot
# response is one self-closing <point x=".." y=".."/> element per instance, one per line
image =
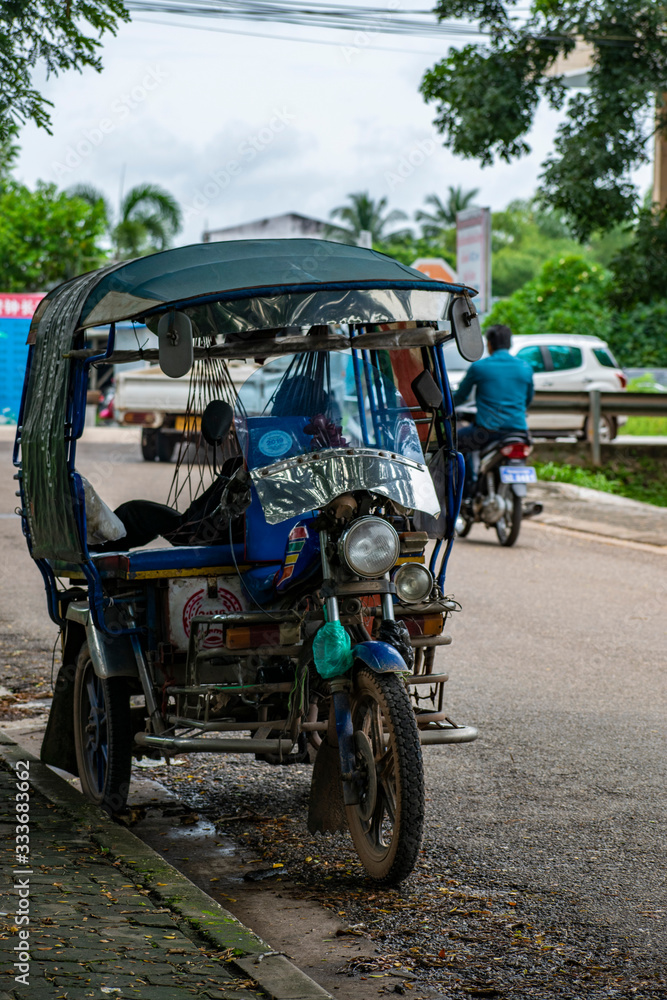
<point x="240" y="127"/>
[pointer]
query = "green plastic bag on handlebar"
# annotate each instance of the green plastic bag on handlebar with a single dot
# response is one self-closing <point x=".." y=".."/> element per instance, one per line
<point x="332" y="650"/>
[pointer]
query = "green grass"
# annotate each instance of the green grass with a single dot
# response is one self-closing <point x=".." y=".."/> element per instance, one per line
<point x="644" y="426"/>
<point x="642" y="479"/>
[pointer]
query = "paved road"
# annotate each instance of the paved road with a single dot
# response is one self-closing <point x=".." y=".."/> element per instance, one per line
<point x="559" y="659"/>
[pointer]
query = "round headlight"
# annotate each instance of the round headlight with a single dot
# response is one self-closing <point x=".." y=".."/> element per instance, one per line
<point x="369" y="547"/>
<point x="413" y="583"/>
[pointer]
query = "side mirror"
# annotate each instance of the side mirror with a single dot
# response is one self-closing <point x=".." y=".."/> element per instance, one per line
<point x="467" y="331"/>
<point x="426" y="391"/>
<point x="216" y="421"/>
<point x="175" y="344"/>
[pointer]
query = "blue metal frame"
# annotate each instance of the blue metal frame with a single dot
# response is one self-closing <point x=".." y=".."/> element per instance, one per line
<point x="457" y="468"/>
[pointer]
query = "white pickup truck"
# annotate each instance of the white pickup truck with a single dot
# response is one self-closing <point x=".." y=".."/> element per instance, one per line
<point x="150" y="399"/>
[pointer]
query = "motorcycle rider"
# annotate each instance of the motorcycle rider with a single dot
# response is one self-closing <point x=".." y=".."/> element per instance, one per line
<point x="503" y="388"/>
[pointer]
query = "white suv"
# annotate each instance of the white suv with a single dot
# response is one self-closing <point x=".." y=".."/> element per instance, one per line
<point x="564" y="362"/>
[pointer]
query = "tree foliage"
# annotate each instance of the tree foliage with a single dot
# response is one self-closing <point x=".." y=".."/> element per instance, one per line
<point x="364" y="214"/>
<point x="56" y="34"/>
<point x="568" y="296"/>
<point x="46" y="237"/>
<point x="148" y="219"/>
<point x="443" y="215"/>
<point x="573" y="294"/>
<point x="640" y="270"/>
<point x="487" y="96"/>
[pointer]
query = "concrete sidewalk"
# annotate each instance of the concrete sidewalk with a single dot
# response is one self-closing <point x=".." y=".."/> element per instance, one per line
<point x="592" y="511"/>
<point x="108" y="917"/>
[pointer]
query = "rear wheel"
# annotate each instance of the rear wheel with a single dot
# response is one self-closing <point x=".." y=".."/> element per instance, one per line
<point x="507" y="528"/>
<point x="387" y="824"/>
<point x="102" y="735"/>
<point x="156" y="446"/>
<point x="149" y="444"/>
<point x="608" y="429"/>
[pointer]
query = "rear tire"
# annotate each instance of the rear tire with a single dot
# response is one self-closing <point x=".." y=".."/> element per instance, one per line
<point x="156" y="446"/>
<point x="508" y="527"/>
<point x="608" y="429"/>
<point x="149" y="445"/>
<point x="388" y="822"/>
<point x="102" y="735"/>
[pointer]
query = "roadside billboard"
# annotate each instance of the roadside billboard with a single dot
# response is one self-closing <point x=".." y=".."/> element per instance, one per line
<point x="473" y="253"/>
<point x="16" y="310"/>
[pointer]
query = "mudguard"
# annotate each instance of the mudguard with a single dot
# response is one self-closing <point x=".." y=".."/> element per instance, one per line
<point x="519" y="489"/>
<point x="380" y="657"/>
<point x="112" y="656"/>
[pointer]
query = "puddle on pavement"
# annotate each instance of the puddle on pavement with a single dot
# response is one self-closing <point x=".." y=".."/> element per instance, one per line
<point x="302" y="929"/>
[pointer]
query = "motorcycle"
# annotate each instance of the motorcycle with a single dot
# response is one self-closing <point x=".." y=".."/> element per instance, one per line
<point x="501" y="479"/>
<point x="297" y="619"/>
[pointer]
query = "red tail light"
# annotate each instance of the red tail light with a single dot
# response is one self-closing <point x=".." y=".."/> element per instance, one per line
<point x="517" y="450"/>
<point x="622" y="379"/>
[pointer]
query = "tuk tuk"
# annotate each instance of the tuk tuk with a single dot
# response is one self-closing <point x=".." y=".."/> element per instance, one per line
<point x="295" y="607"/>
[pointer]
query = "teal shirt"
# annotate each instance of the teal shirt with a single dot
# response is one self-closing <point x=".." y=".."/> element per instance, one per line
<point x="503" y="388"/>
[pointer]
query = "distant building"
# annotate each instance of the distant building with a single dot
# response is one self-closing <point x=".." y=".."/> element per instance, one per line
<point x="280" y="227"/>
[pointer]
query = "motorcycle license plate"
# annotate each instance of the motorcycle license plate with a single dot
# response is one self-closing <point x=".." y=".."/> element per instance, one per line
<point x="517" y="474"/>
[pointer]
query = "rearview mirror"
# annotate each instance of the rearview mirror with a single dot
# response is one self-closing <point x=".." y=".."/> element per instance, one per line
<point x="216" y="421"/>
<point x="175" y="344"/>
<point x="426" y="391"/>
<point x="467" y="331"/>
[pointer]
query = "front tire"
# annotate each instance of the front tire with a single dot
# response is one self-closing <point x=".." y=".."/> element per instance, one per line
<point x="102" y="735"/>
<point x="387" y="824"/>
<point x="509" y="525"/>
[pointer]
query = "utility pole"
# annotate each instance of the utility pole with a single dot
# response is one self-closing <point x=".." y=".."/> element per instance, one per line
<point x="660" y="158"/>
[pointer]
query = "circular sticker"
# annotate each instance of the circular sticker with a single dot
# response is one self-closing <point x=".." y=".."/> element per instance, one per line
<point x="275" y="443"/>
<point x="226" y="603"/>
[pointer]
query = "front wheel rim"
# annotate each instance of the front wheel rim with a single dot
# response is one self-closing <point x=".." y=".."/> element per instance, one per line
<point x="378" y="827"/>
<point x="95" y="735"/>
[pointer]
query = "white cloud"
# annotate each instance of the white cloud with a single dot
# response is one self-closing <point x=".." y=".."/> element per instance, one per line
<point x="175" y="105"/>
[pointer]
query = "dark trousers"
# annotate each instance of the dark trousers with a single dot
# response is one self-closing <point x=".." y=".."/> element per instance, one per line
<point x="471" y="439"/>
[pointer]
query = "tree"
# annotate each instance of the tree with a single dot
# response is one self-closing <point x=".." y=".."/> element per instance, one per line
<point x="406" y="248"/>
<point x="365" y="214"/>
<point x="640" y="270"/>
<point x="487" y="96"/>
<point x="444" y="214"/>
<point x="149" y="218"/>
<point x="569" y="295"/>
<point x="50" y="33"/>
<point x="46" y="236"/>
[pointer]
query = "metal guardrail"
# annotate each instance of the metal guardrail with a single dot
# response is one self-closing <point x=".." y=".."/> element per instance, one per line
<point x="596" y="403"/>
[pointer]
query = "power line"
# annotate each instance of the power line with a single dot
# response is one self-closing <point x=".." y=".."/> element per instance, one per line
<point x="317" y="15"/>
<point x="279" y="38"/>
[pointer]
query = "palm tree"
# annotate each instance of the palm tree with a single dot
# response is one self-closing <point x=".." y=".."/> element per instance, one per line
<point x="148" y="219"/>
<point x="444" y="214"/>
<point x="365" y="214"/>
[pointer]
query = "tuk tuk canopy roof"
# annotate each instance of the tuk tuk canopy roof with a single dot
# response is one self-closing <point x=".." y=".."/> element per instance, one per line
<point x="243" y="269"/>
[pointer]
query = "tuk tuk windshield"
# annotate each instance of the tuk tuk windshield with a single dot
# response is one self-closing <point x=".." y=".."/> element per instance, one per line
<point x="316" y="426"/>
<point x="306" y="403"/>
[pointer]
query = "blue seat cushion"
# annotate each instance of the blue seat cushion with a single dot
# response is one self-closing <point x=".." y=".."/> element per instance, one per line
<point x="174" y="559"/>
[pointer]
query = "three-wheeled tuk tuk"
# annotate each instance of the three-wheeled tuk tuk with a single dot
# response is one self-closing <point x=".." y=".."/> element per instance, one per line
<point x="294" y="609"/>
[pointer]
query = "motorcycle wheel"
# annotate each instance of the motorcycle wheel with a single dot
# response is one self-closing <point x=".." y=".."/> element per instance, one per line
<point x="102" y="735"/>
<point x="387" y="824"/>
<point x="508" y="527"/>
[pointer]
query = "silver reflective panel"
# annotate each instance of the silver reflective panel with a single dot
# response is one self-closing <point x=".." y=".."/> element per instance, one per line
<point x="307" y="482"/>
<point x="296" y="309"/>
